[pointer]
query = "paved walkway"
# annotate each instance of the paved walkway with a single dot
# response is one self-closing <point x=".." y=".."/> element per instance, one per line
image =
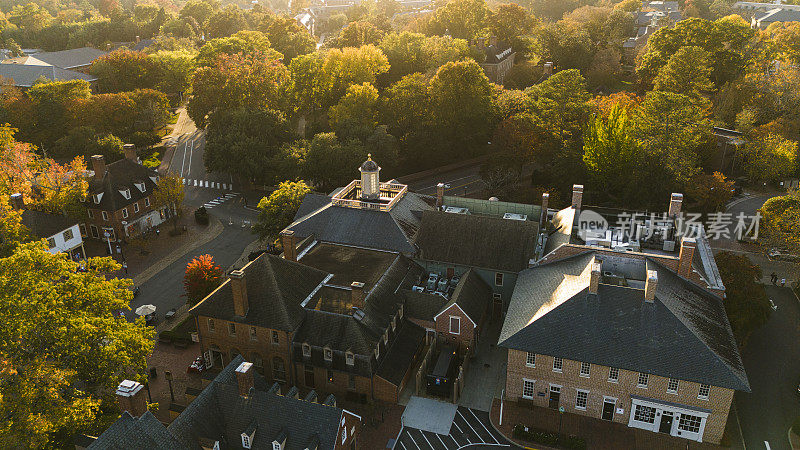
<point x="166" y="357"/>
<point x="485" y="376"/>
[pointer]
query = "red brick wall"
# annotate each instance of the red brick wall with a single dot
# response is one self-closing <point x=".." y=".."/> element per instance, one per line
<point x="466" y="336"/>
<point x="114" y="218"/>
<point x="353" y="426"/>
<point x="339" y="385"/>
<point x="385" y="391"/>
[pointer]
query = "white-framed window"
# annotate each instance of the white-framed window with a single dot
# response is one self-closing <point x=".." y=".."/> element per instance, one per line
<point x="105" y="215"/>
<point x="90" y="213"/>
<point x="645" y="414"/>
<point x="97" y="198"/>
<point x="528" y="388"/>
<point x="530" y="359"/>
<point x="585" y="369"/>
<point x="498" y="279"/>
<point x="126" y="193"/>
<point x="581" y="399"/>
<point x="306" y="350"/>
<point x="276" y="446"/>
<point x="68" y="234"/>
<point x="136" y="207"/>
<point x="690" y="423"/>
<point x="51" y="242"/>
<point x="558" y="364"/>
<point x="253" y="334"/>
<point x="124" y="213"/>
<point x="140" y="186"/>
<point x="245" y="441"/>
<point x="275" y="338"/>
<point x="703" y="392"/>
<point x="455" y="325"/>
<point x="232" y="329"/>
<point x="613" y="374"/>
<point x="642" y="382"/>
<point x="350" y="358"/>
<point x="672" y="386"/>
<point x="147" y="202"/>
<point x="328" y="354"/>
<point x="497" y="297"/>
<point x="211" y="326"/>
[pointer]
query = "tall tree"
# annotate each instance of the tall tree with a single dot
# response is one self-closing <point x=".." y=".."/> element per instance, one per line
<point x="356" y="114"/>
<point x="780" y="223"/>
<point x="246" y="43"/>
<point x="201" y="277"/>
<point x="169" y="193"/>
<point x="276" y="211"/>
<point x="745" y="299"/>
<point x="687" y="72"/>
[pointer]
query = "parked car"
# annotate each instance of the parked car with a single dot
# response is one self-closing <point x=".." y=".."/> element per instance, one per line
<point x="773" y="305"/>
<point x="433" y="278"/>
<point x="780" y="254"/>
<point x="442" y="287"/>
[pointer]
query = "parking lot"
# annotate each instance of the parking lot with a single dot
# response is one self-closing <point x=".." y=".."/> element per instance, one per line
<point x="470" y="429"/>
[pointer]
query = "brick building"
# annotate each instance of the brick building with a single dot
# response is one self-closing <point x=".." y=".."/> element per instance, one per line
<point x="499" y="58"/>
<point x="120" y="198"/>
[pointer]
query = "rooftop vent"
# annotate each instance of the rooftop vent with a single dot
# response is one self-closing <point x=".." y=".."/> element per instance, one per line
<point x="456" y="210"/>
<point x="515" y="216"/>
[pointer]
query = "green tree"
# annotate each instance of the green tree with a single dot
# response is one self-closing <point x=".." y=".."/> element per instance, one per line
<point x="201" y="277"/>
<point x="687" y="72"/>
<point x="76" y="349"/>
<point x="85" y="142"/>
<point x="199" y="10"/>
<point x="329" y="163"/>
<point x="124" y="70"/>
<point x="710" y="192"/>
<point x="769" y="157"/>
<point x="356" y="114"/>
<point x="356" y="34"/>
<point x="225" y="22"/>
<point x="276" y="211"/>
<point x="169" y="194"/>
<point x="512" y="24"/>
<point x="30" y="17"/>
<point x="173" y="71"/>
<point x="463" y="19"/>
<point x="780" y="222"/>
<point x="287" y="36"/>
<point x="409" y="53"/>
<point x="247" y="43"/>
<point x="12" y="232"/>
<point x="349" y="66"/>
<point x="746" y="302"/>
<point x="50" y="104"/>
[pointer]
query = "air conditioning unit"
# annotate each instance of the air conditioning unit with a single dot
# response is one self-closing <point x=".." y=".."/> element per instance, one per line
<point x="456" y="210"/>
<point x="515" y="216"/>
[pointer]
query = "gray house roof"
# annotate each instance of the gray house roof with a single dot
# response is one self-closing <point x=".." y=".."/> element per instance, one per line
<point x="683" y="334"/>
<point x="44" y="225"/>
<point x="472" y="295"/>
<point x="477" y="241"/>
<point x="26" y="76"/>
<point x="386" y="230"/>
<point x="70" y="59"/>
<point x="142" y="433"/>
<point x="121" y="175"/>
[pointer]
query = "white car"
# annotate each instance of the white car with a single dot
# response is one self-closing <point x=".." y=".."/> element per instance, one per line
<point x="773" y="305"/>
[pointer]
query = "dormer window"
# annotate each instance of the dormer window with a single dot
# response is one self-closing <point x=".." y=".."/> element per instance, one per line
<point x="245" y="441"/>
<point x="351" y="358"/>
<point x="328" y="354"/>
<point x="140" y="186"/>
<point x="276" y="446"/>
<point x="386" y="337"/>
<point x="97" y="198"/>
<point x="306" y="350"/>
<point x="126" y="193"/>
<point x="154" y="179"/>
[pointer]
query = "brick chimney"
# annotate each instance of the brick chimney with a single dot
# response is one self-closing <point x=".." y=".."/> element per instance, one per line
<point x="289" y="249"/>
<point x="130" y="152"/>
<point x="650" y="286"/>
<point x="239" y="288"/>
<point x="493" y="40"/>
<point x="685" y="256"/>
<point x="99" y="166"/>
<point x="357" y="294"/>
<point x="595" y="275"/>
<point x="17" y="201"/>
<point x="545" y="201"/>
<point x="439" y="195"/>
<point x="130" y="397"/>
<point x="675" y="202"/>
<point x="577" y="195"/>
<point x="244" y="378"/>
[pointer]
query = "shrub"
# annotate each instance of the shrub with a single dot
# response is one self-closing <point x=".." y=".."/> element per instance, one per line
<point x="548" y="438"/>
<point x="201" y="215"/>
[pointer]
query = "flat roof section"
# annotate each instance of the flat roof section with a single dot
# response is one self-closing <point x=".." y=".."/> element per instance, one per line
<point x="349" y="264"/>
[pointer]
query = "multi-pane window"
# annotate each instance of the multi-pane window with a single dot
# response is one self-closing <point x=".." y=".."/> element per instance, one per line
<point x="211" y="325"/>
<point x="703" y="392"/>
<point x="498" y="279"/>
<point x="146" y="202"/>
<point x="232" y="329"/>
<point x="275" y="338"/>
<point x="613" y="374"/>
<point x="306" y="350"/>
<point x="105" y="215"/>
<point x="51" y="242"/>
<point x="530" y="360"/>
<point x="351" y="359"/>
<point x="253" y="334"/>
<point x="328" y="354"/>
<point x="124" y="213"/>
<point x="528" y="388"/>
<point x="558" y="364"/>
<point x="135" y="208"/>
<point x="581" y="399"/>
<point x="643" y="377"/>
<point x="278" y="369"/>
<point x="68" y="235"/>
<point x="455" y="325"/>
<point x="690" y="423"/>
<point x="672" y="387"/>
<point x="585" y="369"/>
<point x="644" y="414"/>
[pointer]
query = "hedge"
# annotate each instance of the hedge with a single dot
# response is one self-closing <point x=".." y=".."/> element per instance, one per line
<point x="548" y="438"/>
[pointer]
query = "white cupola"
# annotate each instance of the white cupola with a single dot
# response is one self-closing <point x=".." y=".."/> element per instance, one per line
<point x="370" y="179"/>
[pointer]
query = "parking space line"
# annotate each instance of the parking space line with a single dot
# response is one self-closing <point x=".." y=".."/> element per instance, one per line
<point x="426" y="439"/>
<point x="470" y="426"/>
<point x="459" y="428"/>
<point x="413" y="440"/>
<point x="401" y="444"/>
<point x="440" y="440"/>
<point x="484" y="426"/>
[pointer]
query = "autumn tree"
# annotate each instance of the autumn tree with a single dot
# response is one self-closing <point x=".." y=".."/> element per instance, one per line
<point x="76" y="349"/>
<point x="169" y="194"/>
<point x="746" y="301"/>
<point x="276" y="211"/>
<point x="12" y="232"/>
<point x="710" y="192"/>
<point x="463" y="19"/>
<point x="356" y="34"/>
<point x="769" y="157"/>
<point x="287" y="36"/>
<point x="202" y="276"/>
<point x="356" y="114"/>
<point x="687" y="72"/>
<point x="780" y="223"/>
<point x="246" y="43"/>
<point x="124" y="70"/>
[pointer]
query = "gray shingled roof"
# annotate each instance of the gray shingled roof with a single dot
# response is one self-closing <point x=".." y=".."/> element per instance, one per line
<point x="422" y="305"/>
<point x="275" y="289"/>
<point x="143" y="433"/>
<point x="477" y="241"/>
<point x="393" y="230"/>
<point x="121" y="175"/>
<point x="72" y="58"/>
<point x="400" y="357"/>
<point x="472" y="295"/>
<point x="683" y="334"/>
<point x="25" y="75"/>
<point x="44" y="225"/>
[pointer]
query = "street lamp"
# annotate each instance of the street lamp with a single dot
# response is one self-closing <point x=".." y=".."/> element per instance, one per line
<point x="560" y="419"/>
<point x="168" y="376"/>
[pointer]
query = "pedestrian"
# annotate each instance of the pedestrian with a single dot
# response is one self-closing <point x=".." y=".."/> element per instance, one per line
<point x="783" y="282"/>
<point x="773" y="278"/>
<point x="125" y="266"/>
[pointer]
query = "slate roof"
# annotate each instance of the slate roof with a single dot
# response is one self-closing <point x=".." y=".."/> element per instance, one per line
<point x="25" y="75"/>
<point x="392" y="230"/>
<point x="220" y="413"/>
<point x="44" y="225"/>
<point x="143" y="433"/>
<point x="69" y="59"/>
<point x="477" y="241"/>
<point x="779" y="15"/>
<point x="563" y="222"/>
<point x="400" y="357"/>
<point x="422" y="305"/>
<point x="683" y="334"/>
<point x="275" y="289"/>
<point x="121" y="175"/>
<point x="472" y="295"/>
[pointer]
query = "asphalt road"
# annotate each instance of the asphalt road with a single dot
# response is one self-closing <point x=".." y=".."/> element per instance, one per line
<point x="772" y="361"/>
<point x="464" y="181"/>
<point x="471" y="429"/>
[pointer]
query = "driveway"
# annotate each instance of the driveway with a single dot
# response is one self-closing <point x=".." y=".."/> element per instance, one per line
<point x="470" y="429"/>
<point x="772" y="361"/>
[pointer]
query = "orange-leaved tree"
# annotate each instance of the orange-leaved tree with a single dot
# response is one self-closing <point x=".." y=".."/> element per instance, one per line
<point x="202" y="276"/>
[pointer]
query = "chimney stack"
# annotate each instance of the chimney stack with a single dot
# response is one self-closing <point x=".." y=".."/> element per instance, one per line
<point x="244" y="378"/>
<point x="685" y="256"/>
<point x="130" y="397"/>
<point x="439" y="195"/>
<point x="675" y="202"/>
<point x="650" y="286"/>
<point x="545" y="201"/>
<point x="239" y="288"/>
<point x="357" y="294"/>
<point x="137" y="39"/>
<point x="17" y="201"/>
<point x="577" y="195"/>
<point x="289" y="249"/>
<point x="493" y="40"/>
<point x="99" y="166"/>
<point x="594" y="277"/>
<point x="130" y="152"/>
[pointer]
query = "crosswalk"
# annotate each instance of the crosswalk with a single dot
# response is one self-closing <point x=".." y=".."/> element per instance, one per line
<point x="220" y="200"/>
<point x="208" y="184"/>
